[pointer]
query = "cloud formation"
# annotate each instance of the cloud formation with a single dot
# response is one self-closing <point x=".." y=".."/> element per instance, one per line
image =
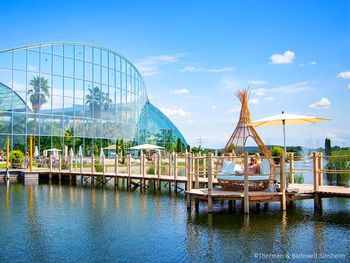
<point x="344" y="75"/>
<point x="284" y="89"/>
<point x="191" y="69"/>
<point x="285" y="58"/>
<point x="323" y="103"/>
<point x="150" y="66"/>
<point x="257" y="82"/>
<point x="181" y="91"/>
<point x="176" y="113"/>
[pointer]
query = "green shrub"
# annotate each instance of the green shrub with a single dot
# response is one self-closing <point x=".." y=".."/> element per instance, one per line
<point x="277" y="151"/>
<point x="16" y="158"/>
<point x="298" y="179"/>
<point x="338" y="164"/>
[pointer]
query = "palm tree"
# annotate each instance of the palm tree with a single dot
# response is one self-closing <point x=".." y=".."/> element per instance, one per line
<point x="97" y="101"/>
<point x="39" y="94"/>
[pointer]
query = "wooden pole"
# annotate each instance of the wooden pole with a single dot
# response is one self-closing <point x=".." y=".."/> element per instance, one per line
<point x="291" y="168"/>
<point x="76" y="162"/>
<point x="175" y="171"/>
<point x="210" y="182"/>
<point x="159" y="168"/>
<point x="30" y="153"/>
<point x="59" y="167"/>
<point x="129" y="170"/>
<point x="103" y="170"/>
<point x="70" y="164"/>
<point x="189" y="180"/>
<point x="204" y="165"/>
<point x="92" y="169"/>
<point x="170" y="156"/>
<point x="196" y="176"/>
<point x="317" y="201"/>
<point x="116" y="163"/>
<point x="81" y="164"/>
<point x="320" y="167"/>
<point x="283" y="181"/>
<point x="50" y="174"/>
<point x="246" y="184"/>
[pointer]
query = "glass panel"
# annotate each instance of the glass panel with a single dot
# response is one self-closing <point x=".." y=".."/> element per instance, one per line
<point x="97" y="73"/>
<point x="57" y="85"/>
<point x="45" y="125"/>
<point x="79" y="69"/>
<point x="58" y="50"/>
<point x="79" y="107"/>
<point x="68" y="67"/>
<point x="79" y="89"/>
<point x="58" y="65"/>
<point x="68" y="106"/>
<point x="68" y="87"/>
<point x="57" y="125"/>
<point x="78" y="127"/>
<point x="97" y="56"/>
<point x="46" y="62"/>
<point x="19" y="123"/>
<point x="69" y="51"/>
<point x="33" y="61"/>
<point x="46" y="49"/>
<point x="104" y="76"/>
<point x="111" y="78"/>
<point x="6" y="60"/>
<point x="57" y="104"/>
<point x="19" y="59"/>
<point x="19" y="81"/>
<point x="79" y="52"/>
<point x="111" y="60"/>
<point x="88" y="54"/>
<point x="88" y="71"/>
<point x="104" y="58"/>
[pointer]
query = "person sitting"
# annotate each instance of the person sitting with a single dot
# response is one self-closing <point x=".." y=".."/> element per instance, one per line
<point x="253" y="166"/>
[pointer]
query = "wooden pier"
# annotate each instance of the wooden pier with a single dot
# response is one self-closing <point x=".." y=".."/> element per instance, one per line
<point x="197" y="179"/>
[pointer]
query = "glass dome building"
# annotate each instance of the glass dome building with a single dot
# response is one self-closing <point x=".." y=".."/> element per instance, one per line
<point x="76" y="95"/>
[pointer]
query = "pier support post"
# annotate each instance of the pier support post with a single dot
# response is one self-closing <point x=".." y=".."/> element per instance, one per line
<point x="103" y="170"/>
<point x="128" y="168"/>
<point x="246" y="184"/>
<point x="283" y="181"/>
<point x="210" y="182"/>
<point x="196" y="168"/>
<point x="59" y="168"/>
<point x="50" y="174"/>
<point x="320" y="167"/>
<point x="70" y="168"/>
<point x="92" y="171"/>
<point x="175" y="171"/>
<point x="159" y="168"/>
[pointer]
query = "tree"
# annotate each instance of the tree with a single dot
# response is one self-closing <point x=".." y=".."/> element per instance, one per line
<point x="117" y="147"/>
<point x="179" y="145"/>
<point x="231" y="148"/>
<point x="122" y="145"/>
<point x="39" y="95"/>
<point x="196" y="149"/>
<point x="328" y="147"/>
<point x="277" y="151"/>
<point x="98" y="101"/>
<point x="188" y="148"/>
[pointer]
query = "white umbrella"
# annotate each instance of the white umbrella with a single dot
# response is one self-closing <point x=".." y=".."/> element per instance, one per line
<point x="80" y="153"/>
<point x="146" y="147"/>
<point x="36" y="151"/>
<point x="287" y="119"/>
<point x="102" y="154"/>
<point x="71" y="152"/>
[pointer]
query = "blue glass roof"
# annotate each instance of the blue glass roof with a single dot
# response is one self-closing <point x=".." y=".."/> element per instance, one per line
<point x="11" y="100"/>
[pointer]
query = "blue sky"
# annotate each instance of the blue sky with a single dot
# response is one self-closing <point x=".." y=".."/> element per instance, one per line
<point x="294" y="56"/>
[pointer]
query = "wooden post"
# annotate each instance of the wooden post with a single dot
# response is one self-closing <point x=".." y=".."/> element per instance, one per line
<point x="196" y="175"/>
<point x="175" y="171"/>
<point x="81" y="164"/>
<point x="291" y="168"/>
<point x="170" y="156"/>
<point x="59" y="168"/>
<point x="8" y="152"/>
<point x="317" y="201"/>
<point x="246" y="184"/>
<point x="159" y="168"/>
<point x="70" y="164"/>
<point x="189" y="179"/>
<point x="210" y="182"/>
<point x="76" y="162"/>
<point x="204" y="160"/>
<point x="320" y="167"/>
<point x="283" y="181"/>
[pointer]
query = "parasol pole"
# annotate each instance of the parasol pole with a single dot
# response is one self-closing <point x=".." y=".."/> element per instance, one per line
<point x="284" y="134"/>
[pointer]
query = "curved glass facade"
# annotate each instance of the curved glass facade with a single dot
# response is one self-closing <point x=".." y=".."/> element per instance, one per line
<point x="71" y="94"/>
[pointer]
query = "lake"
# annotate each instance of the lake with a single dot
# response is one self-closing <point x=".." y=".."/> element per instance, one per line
<point x="56" y="223"/>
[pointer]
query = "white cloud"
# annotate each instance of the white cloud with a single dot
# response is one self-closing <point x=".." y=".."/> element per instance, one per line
<point x="176" y="113"/>
<point x="269" y="98"/>
<point x="286" y="58"/>
<point x="323" y="103"/>
<point x="234" y="109"/>
<point x="192" y="69"/>
<point x="231" y="83"/>
<point x="181" y="91"/>
<point x="257" y="82"/>
<point x="150" y="66"/>
<point x="348" y="87"/>
<point x="284" y="89"/>
<point x="301" y="65"/>
<point x="313" y="62"/>
<point x="32" y="68"/>
<point x="254" y="101"/>
<point x="213" y="107"/>
<point x="344" y="75"/>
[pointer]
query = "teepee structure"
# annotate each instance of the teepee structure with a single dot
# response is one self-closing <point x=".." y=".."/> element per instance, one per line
<point x="245" y="129"/>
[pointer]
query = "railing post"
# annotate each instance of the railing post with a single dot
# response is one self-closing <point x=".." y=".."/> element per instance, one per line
<point x="204" y="160"/>
<point x="189" y="179"/>
<point x="320" y="168"/>
<point x="103" y="170"/>
<point x="175" y="170"/>
<point x="76" y="162"/>
<point x="129" y="169"/>
<point x="70" y="164"/>
<point x="283" y="181"/>
<point x="81" y="164"/>
<point x="59" y="168"/>
<point x="92" y="169"/>
<point x="196" y="175"/>
<point x="291" y="168"/>
<point x="116" y="163"/>
<point x="170" y="156"/>
<point x="50" y="174"/>
<point x="317" y="201"/>
<point x="159" y="168"/>
<point x="210" y="182"/>
<point x="246" y="184"/>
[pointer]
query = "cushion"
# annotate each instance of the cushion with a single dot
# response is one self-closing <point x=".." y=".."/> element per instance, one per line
<point x="241" y="178"/>
<point x="238" y="169"/>
<point x="228" y="167"/>
<point x="265" y="167"/>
